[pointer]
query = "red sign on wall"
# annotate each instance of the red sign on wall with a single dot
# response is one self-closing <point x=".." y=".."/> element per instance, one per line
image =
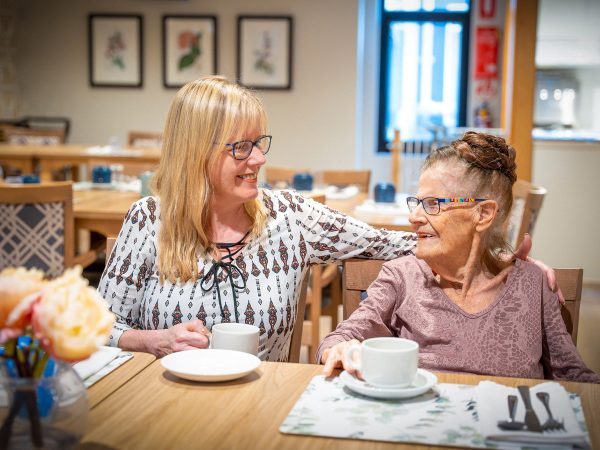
<point x="486" y="53"/>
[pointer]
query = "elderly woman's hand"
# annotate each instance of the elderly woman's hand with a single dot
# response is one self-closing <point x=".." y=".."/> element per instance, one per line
<point x="183" y="336"/>
<point x="334" y="357"/>
<point x="523" y="253"/>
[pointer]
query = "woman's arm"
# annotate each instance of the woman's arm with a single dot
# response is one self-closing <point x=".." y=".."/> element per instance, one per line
<point x="559" y="355"/>
<point x="373" y="318"/>
<point x="331" y="235"/>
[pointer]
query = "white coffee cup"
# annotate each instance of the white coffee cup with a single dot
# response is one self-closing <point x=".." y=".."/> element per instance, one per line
<point x="235" y="336"/>
<point x="387" y="362"/>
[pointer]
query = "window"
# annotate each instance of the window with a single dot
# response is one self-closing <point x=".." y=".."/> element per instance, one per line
<point x="424" y="67"/>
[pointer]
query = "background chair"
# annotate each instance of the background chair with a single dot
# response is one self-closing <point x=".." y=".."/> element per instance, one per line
<point x="358" y="274"/>
<point x="142" y="139"/>
<point x="360" y="178"/>
<point x="527" y="202"/>
<point x="281" y="176"/>
<point x="37" y="227"/>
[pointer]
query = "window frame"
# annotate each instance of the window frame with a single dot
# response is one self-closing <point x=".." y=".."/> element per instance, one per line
<point x="387" y="17"/>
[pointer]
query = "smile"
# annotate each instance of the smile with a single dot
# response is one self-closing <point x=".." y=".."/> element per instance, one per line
<point x="248" y="176"/>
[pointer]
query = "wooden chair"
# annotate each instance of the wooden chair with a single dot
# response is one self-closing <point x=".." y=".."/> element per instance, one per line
<point x="358" y="274"/>
<point x="39" y="226"/>
<point x="527" y="202"/>
<point x="142" y="139"/>
<point x="281" y="176"/>
<point x="360" y="178"/>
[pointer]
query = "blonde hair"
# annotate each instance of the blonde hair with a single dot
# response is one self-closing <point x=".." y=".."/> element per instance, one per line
<point x="205" y="112"/>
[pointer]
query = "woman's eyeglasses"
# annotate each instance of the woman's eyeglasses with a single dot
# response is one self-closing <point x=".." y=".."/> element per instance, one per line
<point x="431" y="205"/>
<point x="242" y="149"/>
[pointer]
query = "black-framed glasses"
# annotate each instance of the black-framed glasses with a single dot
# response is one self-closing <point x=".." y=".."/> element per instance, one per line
<point x="242" y="149"/>
<point x="431" y="205"/>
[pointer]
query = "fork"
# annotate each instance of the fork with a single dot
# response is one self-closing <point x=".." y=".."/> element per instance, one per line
<point x="551" y="423"/>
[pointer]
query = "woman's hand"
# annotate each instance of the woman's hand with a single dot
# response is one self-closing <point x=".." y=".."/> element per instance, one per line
<point x="523" y="252"/>
<point x="183" y="336"/>
<point x="334" y="358"/>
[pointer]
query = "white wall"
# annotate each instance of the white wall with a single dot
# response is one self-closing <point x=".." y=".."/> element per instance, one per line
<point x="313" y="125"/>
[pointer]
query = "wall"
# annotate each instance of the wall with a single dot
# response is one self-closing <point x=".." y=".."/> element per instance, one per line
<point x="566" y="234"/>
<point x="312" y="125"/>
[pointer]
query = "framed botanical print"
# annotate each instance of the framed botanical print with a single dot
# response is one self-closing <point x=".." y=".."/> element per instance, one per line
<point x="264" y="56"/>
<point x="189" y="48"/>
<point x="115" y="50"/>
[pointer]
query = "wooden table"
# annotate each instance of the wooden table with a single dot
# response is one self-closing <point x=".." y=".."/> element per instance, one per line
<point x="102" y="211"/>
<point x="51" y="157"/>
<point x="158" y="410"/>
<point x="118" y="377"/>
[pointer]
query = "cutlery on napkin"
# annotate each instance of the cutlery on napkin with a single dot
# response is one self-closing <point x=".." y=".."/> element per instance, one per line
<point x="491" y="406"/>
<point x="97" y="361"/>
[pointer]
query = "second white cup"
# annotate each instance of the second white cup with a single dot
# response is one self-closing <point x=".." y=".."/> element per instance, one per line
<point x="235" y="336"/>
<point x="387" y="362"/>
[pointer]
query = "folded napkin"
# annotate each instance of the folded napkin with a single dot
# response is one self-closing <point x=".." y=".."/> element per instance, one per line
<point x="492" y="407"/>
<point x="123" y="186"/>
<point x="97" y="361"/>
<point x="341" y="192"/>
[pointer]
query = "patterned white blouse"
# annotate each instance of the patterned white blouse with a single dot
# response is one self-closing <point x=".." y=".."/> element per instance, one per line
<point x="260" y="285"/>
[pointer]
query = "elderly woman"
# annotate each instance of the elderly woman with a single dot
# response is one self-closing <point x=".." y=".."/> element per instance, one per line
<point x="211" y="247"/>
<point x="469" y="308"/>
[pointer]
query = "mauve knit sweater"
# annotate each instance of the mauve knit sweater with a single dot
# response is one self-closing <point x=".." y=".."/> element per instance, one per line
<point x="520" y="334"/>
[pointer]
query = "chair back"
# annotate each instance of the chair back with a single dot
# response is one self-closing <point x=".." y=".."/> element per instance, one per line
<point x="294" y="355"/>
<point x="40" y="224"/>
<point x="33" y="136"/>
<point x="360" y="178"/>
<point x="570" y="282"/>
<point x="142" y="139"/>
<point x="281" y="175"/>
<point x="358" y="274"/>
<point x="110" y="243"/>
<point x="527" y="202"/>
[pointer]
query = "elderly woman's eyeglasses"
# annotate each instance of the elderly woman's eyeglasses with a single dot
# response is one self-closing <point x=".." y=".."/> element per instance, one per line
<point x="431" y="205"/>
<point x="242" y="149"/>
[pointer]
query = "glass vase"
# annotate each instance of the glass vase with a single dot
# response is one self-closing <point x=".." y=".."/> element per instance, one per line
<point x="50" y="412"/>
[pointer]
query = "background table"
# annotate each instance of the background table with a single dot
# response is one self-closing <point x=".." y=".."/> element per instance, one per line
<point x="158" y="410"/>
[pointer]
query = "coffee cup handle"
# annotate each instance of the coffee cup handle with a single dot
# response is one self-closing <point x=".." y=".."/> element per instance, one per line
<point x="348" y="358"/>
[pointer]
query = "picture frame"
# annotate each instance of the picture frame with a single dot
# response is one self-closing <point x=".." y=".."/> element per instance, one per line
<point x="264" y="52"/>
<point x="189" y="48"/>
<point x="115" y="50"/>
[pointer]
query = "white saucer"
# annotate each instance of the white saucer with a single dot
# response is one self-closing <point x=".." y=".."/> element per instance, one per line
<point x="210" y="365"/>
<point x="424" y="381"/>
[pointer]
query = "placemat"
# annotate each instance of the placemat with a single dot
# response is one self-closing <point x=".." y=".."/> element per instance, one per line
<point x="446" y="415"/>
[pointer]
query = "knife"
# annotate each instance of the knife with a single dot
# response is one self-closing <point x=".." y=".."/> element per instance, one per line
<point x="531" y="419"/>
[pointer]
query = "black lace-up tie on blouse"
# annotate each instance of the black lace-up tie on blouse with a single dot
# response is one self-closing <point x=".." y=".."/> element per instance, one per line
<point x="210" y="280"/>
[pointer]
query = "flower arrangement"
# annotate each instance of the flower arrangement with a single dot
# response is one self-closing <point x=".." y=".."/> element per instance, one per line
<point x="63" y="319"/>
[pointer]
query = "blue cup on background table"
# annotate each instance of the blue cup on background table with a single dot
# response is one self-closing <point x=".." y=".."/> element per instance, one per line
<point x="101" y="174"/>
<point x="303" y="182"/>
<point x="385" y="193"/>
<point x="30" y="179"/>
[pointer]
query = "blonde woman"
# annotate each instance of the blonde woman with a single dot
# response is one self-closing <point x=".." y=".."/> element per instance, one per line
<point x="211" y="247"/>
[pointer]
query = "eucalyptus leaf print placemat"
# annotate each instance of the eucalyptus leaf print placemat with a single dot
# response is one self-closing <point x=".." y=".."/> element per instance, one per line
<point x="446" y="415"/>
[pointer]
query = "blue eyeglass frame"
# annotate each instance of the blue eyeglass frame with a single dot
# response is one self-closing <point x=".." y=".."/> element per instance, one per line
<point x="254" y="144"/>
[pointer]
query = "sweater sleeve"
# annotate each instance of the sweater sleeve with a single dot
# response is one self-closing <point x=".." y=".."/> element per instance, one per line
<point x="560" y="358"/>
<point x="123" y="281"/>
<point x="373" y="317"/>
<point x="330" y="235"/>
